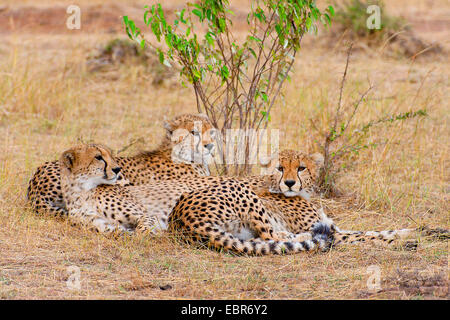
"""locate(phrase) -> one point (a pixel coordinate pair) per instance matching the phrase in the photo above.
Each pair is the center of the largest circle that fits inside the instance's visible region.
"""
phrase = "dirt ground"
(50, 99)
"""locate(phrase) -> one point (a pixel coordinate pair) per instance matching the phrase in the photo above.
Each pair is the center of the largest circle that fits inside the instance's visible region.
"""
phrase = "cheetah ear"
(106, 148)
(318, 159)
(168, 126)
(67, 159)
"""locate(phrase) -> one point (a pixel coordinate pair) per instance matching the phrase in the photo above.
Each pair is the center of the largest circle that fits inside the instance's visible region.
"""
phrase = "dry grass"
(48, 100)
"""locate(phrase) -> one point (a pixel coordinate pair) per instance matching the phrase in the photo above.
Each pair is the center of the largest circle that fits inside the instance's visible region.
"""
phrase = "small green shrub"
(236, 82)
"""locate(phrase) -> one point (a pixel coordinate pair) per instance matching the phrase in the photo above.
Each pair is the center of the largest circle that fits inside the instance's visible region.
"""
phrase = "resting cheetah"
(181, 154)
(88, 180)
(231, 216)
(88, 177)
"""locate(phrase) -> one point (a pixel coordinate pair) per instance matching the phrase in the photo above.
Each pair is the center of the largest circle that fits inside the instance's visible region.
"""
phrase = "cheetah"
(88, 180)
(229, 215)
(93, 198)
(186, 150)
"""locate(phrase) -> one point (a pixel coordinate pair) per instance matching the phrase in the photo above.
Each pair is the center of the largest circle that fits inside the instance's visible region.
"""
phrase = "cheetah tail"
(388, 236)
(383, 237)
(321, 239)
(354, 237)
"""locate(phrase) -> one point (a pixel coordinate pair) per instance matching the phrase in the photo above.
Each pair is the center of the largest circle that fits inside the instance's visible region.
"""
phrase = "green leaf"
(147, 21)
(161, 55)
(209, 36)
(255, 39)
(181, 15)
(198, 13)
(266, 115)
(197, 75)
(126, 21)
(222, 25)
(279, 30)
(225, 73)
(160, 11)
(331, 10)
(327, 19)
(156, 30)
(315, 13)
(209, 14)
(252, 52)
(308, 23)
(264, 96)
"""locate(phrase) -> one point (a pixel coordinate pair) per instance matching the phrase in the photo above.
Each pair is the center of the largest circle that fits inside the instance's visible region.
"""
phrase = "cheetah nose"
(116, 170)
(209, 146)
(289, 183)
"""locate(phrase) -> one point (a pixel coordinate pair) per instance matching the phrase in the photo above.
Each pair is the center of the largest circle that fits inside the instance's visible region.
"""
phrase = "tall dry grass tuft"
(48, 100)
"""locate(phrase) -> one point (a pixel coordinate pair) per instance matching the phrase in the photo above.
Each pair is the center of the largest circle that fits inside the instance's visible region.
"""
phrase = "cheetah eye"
(280, 168)
(100, 158)
(301, 168)
(195, 133)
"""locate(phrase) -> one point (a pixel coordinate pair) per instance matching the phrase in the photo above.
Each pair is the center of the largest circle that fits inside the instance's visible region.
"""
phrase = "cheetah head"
(294, 173)
(89, 165)
(192, 138)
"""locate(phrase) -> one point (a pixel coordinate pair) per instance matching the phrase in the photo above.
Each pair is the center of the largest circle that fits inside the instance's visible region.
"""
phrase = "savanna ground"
(49, 99)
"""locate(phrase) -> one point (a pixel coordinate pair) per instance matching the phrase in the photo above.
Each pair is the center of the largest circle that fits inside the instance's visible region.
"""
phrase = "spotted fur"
(88, 175)
(182, 154)
(231, 216)
(157, 198)
(238, 215)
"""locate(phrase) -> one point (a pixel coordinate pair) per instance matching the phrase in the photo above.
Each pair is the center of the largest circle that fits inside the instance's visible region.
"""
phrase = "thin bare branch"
(341, 90)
